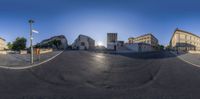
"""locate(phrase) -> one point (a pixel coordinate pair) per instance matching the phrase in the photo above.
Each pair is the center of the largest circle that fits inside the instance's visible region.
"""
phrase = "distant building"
(146, 38)
(111, 41)
(2, 44)
(50, 42)
(184, 41)
(83, 43)
(120, 43)
(100, 47)
(111, 37)
(144, 43)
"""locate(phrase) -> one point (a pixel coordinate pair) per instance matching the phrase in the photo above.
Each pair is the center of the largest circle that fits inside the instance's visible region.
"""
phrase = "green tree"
(57, 43)
(10, 45)
(19, 43)
(161, 47)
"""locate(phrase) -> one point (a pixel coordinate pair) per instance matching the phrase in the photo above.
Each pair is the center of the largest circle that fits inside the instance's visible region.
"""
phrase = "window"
(82, 44)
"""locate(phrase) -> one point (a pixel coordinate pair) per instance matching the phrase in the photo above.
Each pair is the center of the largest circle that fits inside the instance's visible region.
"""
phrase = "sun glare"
(100, 43)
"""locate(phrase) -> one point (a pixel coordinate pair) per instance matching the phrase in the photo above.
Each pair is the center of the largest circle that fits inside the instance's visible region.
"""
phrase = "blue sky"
(129, 18)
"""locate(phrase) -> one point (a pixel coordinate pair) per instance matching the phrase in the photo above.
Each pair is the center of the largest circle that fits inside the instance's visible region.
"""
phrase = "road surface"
(89, 75)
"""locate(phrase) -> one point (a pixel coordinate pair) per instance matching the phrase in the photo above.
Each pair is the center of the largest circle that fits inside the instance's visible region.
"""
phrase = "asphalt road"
(89, 75)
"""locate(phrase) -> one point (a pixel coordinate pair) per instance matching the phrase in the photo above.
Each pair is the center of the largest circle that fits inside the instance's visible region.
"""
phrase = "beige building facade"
(184, 41)
(146, 38)
(2, 44)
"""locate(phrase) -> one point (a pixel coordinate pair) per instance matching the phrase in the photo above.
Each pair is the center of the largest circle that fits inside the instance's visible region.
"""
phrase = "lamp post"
(31, 40)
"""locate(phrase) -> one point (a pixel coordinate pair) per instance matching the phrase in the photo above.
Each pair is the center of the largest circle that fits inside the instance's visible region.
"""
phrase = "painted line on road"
(186, 60)
(31, 66)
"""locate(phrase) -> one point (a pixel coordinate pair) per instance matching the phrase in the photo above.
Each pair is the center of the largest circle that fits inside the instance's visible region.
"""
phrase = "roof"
(177, 29)
(144, 35)
(111, 33)
(59, 36)
(2, 39)
(85, 36)
(186, 32)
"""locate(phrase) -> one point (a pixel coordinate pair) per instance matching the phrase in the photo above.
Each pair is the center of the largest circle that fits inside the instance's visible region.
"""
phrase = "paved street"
(191, 58)
(17, 60)
(89, 75)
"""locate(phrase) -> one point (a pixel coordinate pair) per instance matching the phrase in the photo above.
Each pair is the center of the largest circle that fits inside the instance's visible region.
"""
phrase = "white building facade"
(83, 43)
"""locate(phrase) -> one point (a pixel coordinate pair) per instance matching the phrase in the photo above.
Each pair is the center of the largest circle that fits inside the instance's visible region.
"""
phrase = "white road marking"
(186, 61)
(30, 66)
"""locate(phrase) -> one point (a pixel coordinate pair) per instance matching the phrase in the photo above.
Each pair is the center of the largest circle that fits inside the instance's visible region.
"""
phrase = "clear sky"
(129, 18)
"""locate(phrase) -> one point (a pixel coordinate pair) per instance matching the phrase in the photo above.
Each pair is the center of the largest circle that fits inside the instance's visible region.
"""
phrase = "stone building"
(49, 42)
(2, 44)
(146, 38)
(144, 43)
(184, 41)
(83, 43)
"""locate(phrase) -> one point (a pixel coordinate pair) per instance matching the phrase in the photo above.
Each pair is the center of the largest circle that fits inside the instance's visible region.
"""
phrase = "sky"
(95, 18)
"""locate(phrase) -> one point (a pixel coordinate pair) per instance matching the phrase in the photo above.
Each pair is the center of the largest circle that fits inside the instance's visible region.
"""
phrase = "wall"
(140, 47)
(3, 52)
(42, 51)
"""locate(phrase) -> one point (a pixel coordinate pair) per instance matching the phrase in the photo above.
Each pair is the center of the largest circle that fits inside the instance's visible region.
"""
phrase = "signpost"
(31, 39)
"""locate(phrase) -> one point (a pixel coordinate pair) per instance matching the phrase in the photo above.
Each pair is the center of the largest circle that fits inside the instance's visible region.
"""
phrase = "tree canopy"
(19, 44)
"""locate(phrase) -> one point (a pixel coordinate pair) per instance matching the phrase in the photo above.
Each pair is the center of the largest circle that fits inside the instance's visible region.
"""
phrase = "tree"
(19, 43)
(161, 47)
(10, 45)
(57, 43)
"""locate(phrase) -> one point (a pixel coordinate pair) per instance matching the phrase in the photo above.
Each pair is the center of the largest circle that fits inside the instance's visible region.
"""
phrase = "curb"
(30, 66)
(186, 60)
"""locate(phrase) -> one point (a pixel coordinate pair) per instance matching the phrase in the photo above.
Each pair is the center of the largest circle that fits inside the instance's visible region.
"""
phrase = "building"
(83, 43)
(184, 41)
(111, 41)
(111, 37)
(143, 43)
(120, 43)
(61, 42)
(146, 38)
(2, 44)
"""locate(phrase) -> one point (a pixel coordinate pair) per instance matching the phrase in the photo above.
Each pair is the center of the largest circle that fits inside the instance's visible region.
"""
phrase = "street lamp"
(31, 40)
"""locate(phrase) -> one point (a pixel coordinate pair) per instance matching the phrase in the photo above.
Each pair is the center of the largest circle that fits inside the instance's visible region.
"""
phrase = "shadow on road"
(148, 55)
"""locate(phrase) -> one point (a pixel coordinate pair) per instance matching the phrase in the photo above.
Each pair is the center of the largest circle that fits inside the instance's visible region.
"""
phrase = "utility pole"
(31, 40)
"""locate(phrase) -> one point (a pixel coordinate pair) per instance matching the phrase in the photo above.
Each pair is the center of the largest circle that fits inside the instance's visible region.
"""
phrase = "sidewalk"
(15, 60)
(193, 59)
